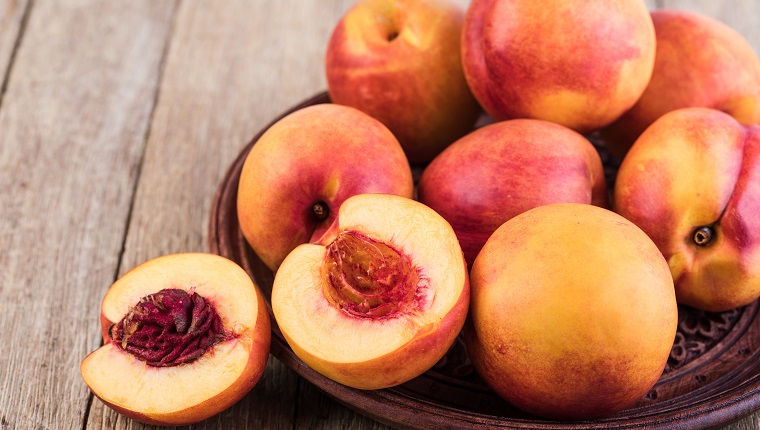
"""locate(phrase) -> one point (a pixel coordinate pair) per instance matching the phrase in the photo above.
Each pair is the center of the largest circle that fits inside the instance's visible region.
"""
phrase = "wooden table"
(117, 121)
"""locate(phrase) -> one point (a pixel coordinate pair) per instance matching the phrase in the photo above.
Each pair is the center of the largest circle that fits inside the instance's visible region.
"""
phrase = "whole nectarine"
(700, 62)
(504, 169)
(303, 167)
(573, 313)
(400, 62)
(692, 183)
(579, 64)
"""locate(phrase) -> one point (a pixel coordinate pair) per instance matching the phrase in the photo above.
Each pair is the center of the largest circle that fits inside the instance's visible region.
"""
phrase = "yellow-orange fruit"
(573, 312)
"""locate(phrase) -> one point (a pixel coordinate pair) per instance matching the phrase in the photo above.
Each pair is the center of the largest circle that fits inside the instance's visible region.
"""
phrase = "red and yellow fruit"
(504, 169)
(700, 62)
(578, 66)
(304, 166)
(186, 336)
(400, 62)
(692, 183)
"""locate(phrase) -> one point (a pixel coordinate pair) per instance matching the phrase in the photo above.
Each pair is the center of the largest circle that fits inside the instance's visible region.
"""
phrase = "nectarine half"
(186, 336)
(380, 299)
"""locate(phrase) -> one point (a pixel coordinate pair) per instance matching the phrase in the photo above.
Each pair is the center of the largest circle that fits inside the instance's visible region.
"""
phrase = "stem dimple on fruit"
(703, 235)
(320, 210)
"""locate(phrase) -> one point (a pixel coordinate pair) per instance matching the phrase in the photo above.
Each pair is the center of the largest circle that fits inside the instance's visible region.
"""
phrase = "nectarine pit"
(368, 278)
(703, 235)
(169, 328)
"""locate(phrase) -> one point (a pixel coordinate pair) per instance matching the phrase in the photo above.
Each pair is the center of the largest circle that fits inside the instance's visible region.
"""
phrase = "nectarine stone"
(169, 328)
(367, 277)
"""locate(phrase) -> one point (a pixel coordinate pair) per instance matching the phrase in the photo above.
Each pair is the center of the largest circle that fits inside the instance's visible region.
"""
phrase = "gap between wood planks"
(16, 44)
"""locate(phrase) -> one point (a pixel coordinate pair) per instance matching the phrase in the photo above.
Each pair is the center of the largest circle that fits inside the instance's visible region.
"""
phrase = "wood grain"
(73, 123)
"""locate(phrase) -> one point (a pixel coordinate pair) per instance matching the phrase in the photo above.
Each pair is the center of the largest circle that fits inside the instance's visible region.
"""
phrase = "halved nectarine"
(186, 336)
(380, 298)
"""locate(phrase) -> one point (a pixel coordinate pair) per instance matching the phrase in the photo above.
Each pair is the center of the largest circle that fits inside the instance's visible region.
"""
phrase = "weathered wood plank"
(229, 71)
(73, 120)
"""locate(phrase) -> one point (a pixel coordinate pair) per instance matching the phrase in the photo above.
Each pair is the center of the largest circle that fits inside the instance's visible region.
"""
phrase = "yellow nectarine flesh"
(187, 336)
(380, 300)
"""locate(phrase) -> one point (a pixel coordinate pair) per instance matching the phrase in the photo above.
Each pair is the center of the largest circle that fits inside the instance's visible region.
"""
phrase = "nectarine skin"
(400, 62)
(700, 62)
(573, 313)
(698, 168)
(579, 66)
(504, 169)
(321, 154)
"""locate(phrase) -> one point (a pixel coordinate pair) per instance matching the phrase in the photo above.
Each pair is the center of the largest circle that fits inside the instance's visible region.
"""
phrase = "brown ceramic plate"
(712, 376)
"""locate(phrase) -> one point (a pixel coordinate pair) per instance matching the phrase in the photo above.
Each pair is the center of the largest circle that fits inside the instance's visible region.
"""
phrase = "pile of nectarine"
(568, 309)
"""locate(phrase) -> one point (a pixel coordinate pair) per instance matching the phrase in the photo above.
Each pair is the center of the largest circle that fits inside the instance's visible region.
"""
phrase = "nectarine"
(578, 64)
(303, 167)
(380, 299)
(400, 62)
(504, 169)
(573, 312)
(700, 62)
(692, 183)
(186, 336)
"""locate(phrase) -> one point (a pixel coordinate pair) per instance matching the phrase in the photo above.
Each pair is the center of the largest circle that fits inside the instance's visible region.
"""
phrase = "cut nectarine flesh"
(186, 336)
(380, 298)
